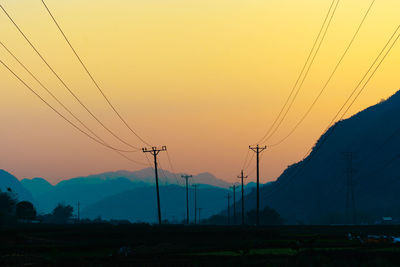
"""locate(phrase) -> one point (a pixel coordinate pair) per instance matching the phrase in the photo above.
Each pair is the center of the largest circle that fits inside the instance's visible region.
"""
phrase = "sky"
(205, 78)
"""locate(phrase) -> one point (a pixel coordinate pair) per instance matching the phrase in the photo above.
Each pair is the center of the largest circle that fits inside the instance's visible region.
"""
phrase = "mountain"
(91, 189)
(37, 186)
(315, 190)
(139, 204)
(7, 180)
(86, 192)
(147, 176)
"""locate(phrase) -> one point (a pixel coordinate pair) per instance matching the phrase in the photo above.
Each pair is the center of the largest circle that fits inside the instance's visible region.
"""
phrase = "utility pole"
(186, 177)
(229, 208)
(234, 204)
(257, 149)
(155, 151)
(242, 177)
(350, 203)
(195, 203)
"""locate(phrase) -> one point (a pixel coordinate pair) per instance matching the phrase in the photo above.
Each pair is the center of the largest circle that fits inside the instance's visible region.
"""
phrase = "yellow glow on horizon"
(206, 78)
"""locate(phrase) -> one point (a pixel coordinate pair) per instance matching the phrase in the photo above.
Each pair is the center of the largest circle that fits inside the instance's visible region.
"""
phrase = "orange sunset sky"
(206, 78)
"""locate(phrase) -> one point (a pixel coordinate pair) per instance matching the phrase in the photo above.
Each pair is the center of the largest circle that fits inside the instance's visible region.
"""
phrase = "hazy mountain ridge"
(147, 176)
(139, 204)
(37, 186)
(314, 191)
(93, 188)
(7, 180)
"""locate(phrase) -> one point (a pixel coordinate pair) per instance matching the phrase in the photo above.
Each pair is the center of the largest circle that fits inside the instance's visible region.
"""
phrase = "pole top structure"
(154, 149)
(254, 148)
(185, 176)
(242, 175)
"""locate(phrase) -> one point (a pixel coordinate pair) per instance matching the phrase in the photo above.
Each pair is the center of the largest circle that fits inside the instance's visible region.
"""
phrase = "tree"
(7, 206)
(25, 211)
(268, 216)
(62, 213)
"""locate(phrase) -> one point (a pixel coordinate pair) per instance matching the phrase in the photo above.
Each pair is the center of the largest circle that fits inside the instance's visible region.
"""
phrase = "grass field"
(144, 245)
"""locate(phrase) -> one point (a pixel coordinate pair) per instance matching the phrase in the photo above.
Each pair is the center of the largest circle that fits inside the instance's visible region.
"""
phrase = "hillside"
(139, 204)
(91, 189)
(315, 190)
(37, 186)
(7, 180)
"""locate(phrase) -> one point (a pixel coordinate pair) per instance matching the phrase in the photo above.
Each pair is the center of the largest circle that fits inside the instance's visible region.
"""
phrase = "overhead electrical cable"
(91, 76)
(172, 169)
(245, 159)
(329, 79)
(363, 78)
(304, 77)
(59, 101)
(301, 73)
(64, 84)
(306, 159)
(62, 116)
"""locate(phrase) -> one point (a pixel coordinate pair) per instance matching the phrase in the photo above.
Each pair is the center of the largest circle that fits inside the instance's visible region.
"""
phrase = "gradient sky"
(205, 77)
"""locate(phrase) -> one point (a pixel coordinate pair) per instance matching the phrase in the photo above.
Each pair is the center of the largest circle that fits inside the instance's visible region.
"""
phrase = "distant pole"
(242, 177)
(186, 177)
(234, 204)
(195, 203)
(258, 150)
(155, 151)
(229, 208)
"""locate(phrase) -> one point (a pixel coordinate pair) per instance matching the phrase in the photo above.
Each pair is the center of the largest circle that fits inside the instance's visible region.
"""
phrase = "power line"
(304, 77)
(245, 159)
(64, 84)
(91, 76)
(245, 167)
(329, 79)
(306, 159)
(172, 169)
(365, 75)
(65, 118)
(58, 101)
(300, 75)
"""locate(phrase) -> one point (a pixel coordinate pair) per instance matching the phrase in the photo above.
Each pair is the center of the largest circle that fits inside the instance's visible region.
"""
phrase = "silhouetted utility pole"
(229, 208)
(195, 203)
(234, 204)
(155, 151)
(258, 150)
(242, 177)
(350, 203)
(186, 177)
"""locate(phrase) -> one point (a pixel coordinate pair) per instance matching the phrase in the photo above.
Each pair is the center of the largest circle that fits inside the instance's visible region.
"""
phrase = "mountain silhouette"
(91, 189)
(7, 181)
(37, 186)
(139, 204)
(82, 191)
(315, 190)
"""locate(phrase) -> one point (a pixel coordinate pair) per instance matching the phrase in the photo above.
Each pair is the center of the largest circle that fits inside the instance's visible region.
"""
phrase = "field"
(144, 245)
